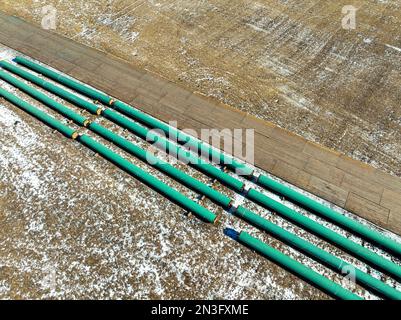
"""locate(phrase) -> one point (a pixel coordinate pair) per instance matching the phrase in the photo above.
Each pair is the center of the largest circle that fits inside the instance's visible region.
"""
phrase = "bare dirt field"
(289, 62)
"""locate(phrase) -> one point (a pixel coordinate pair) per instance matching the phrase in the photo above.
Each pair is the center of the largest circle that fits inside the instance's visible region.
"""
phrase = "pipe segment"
(217, 197)
(292, 265)
(340, 241)
(38, 114)
(70, 97)
(143, 155)
(254, 195)
(152, 182)
(183, 138)
(220, 199)
(173, 133)
(149, 180)
(336, 264)
(375, 237)
(77, 118)
(174, 150)
(71, 83)
(380, 240)
(162, 166)
(146, 134)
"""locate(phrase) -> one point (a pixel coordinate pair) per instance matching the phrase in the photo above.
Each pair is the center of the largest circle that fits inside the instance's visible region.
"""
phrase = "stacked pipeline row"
(268, 205)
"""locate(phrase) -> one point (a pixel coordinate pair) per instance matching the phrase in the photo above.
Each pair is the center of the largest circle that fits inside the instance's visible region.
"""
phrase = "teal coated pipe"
(38, 114)
(140, 153)
(325, 233)
(149, 180)
(217, 197)
(183, 138)
(384, 242)
(111, 156)
(320, 255)
(331, 215)
(78, 119)
(281, 234)
(342, 242)
(292, 265)
(137, 129)
(157, 185)
(174, 150)
(70, 97)
(163, 166)
(174, 134)
(99, 96)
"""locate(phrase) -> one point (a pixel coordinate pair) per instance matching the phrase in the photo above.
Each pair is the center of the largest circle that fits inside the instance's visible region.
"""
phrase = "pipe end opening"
(233, 234)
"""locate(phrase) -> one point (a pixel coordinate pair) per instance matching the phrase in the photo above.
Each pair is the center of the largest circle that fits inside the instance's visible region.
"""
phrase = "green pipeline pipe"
(292, 265)
(194, 184)
(162, 166)
(384, 242)
(174, 150)
(320, 255)
(160, 187)
(261, 199)
(38, 114)
(147, 157)
(78, 119)
(144, 133)
(174, 134)
(183, 138)
(49, 86)
(149, 180)
(62, 79)
(331, 215)
(224, 201)
(340, 241)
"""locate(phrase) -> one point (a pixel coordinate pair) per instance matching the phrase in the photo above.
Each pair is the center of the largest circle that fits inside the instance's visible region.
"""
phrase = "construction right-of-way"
(176, 143)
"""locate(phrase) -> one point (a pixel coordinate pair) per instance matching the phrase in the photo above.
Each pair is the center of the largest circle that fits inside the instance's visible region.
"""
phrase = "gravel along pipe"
(146, 134)
(292, 265)
(384, 242)
(254, 195)
(149, 180)
(203, 189)
(38, 114)
(336, 264)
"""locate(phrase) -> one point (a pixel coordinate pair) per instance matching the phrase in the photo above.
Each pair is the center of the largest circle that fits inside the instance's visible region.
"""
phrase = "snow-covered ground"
(75, 226)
